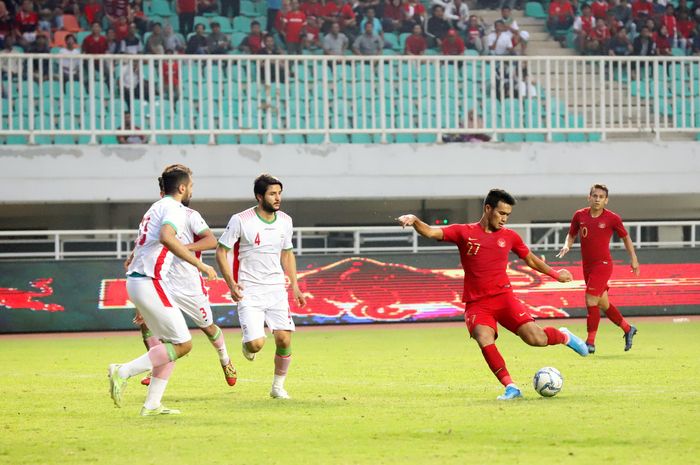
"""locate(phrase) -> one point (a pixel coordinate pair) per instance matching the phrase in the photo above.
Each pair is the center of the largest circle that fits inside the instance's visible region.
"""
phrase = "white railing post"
(299, 250)
(119, 245)
(656, 89)
(91, 97)
(438, 95)
(382, 102)
(414, 241)
(31, 98)
(210, 99)
(601, 93)
(356, 242)
(548, 99)
(57, 246)
(326, 101)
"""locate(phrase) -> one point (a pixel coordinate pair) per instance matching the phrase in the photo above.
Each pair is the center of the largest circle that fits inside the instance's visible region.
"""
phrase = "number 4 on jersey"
(257, 239)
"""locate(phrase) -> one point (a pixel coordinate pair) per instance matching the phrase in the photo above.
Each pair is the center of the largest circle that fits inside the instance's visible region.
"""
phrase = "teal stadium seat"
(248, 9)
(241, 24)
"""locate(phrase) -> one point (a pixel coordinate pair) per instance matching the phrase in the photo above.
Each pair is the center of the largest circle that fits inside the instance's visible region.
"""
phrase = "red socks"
(592, 323)
(554, 336)
(616, 317)
(496, 363)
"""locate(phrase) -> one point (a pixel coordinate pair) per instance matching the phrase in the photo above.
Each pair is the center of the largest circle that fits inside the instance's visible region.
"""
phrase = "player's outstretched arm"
(421, 228)
(289, 265)
(168, 237)
(222, 262)
(207, 241)
(634, 263)
(568, 243)
(563, 276)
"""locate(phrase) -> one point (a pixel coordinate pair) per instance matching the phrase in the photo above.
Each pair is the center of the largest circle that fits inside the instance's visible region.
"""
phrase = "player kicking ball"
(595, 225)
(260, 239)
(488, 294)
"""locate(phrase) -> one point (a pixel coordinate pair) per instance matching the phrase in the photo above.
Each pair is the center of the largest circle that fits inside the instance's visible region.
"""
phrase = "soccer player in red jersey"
(596, 225)
(488, 294)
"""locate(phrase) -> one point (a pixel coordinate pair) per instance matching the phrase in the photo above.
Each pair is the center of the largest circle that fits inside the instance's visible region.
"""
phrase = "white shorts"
(254, 311)
(163, 318)
(194, 306)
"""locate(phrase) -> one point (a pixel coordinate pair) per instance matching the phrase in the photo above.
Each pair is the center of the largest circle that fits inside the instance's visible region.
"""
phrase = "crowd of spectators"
(621, 28)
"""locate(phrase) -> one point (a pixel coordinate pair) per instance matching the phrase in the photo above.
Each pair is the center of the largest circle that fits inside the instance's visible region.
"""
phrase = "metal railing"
(312, 99)
(111, 243)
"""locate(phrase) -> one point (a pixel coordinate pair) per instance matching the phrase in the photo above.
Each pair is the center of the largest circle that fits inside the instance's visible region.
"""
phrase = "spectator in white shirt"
(457, 12)
(500, 41)
(69, 66)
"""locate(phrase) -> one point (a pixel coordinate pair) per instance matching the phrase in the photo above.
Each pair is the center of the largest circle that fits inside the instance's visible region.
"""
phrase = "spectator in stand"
(599, 8)
(311, 38)
(662, 40)
(520, 38)
(27, 24)
(273, 9)
(613, 24)
(171, 76)
(41, 65)
(130, 82)
(230, 8)
(335, 42)
(197, 43)
(452, 44)
(293, 26)
(560, 18)
(253, 42)
(116, 9)
(683, 7)
(207, 6)
(156, 43)
(121, 29)
(95, 43)
(330, 13)
(276, 69)
(620, 45)
(131, 44)
(685, 31)
(641, 11)
(695, 46)
(9, 69)
(93, 11)
(278, 26)
(392, 19)
(643, 46)
(371, 17)
(597, 43)
(368, 43)
(457, 12)
(413, 12)
(475, 34)
(669, 20)
(416, 43)
(172, 42)
(218, 43)
(623, 14)
(7, 22)
(659, 9)
(70, 67)
(132, 138)
(139, 18)
(362, 6)
(112, 42)
(526, 87)
(437, 26)
(186, 11)
(500, 41)
(312, 8)
(583, 27)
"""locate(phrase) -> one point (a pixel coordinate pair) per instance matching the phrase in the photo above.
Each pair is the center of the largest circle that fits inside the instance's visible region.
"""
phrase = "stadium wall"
(60, 174)
(91, 295)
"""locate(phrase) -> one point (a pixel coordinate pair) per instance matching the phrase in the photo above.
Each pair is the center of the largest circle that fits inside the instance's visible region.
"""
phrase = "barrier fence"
(117, 243)
(68, 99)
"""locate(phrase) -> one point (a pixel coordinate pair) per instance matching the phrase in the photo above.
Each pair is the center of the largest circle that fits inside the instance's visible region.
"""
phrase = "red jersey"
(94, 45)
(346, 15)
(294, 22)
(663, 44)
(331, 10)
(187, 6)
(599, 9)
(671, 24)
(600, 34)
(484, 258)
(121, 30)
(642, 9)
(312, 9)
(685, 28)
(91, 10)
(416, 45)
(171, 72)
(596, 234)
(27, 22)
(561, 10)
(453, 48)
(254, 43)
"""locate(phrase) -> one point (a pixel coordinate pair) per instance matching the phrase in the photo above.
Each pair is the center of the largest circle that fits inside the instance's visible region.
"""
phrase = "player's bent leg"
(216, 337)
(534, 335)
(574, 342)
(485, 336)
(283, 358)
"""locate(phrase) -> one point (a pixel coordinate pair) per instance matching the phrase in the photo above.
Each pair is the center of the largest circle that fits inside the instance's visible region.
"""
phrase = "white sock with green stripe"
(217, 340)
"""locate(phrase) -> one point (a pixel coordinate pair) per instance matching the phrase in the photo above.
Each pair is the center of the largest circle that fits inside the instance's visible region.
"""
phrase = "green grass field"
(409, 395)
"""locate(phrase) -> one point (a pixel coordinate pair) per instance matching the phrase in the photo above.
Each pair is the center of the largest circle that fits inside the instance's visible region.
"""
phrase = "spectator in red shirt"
(254, 41)
(641, 11)
(452, 44)
(311, 38)
(312, 8)
(475, 34)
(413, 13)
(116, 9)
(583, 27)
(171, 73)
(416, 43)
(186, 10)
(392, 17)
(599, 8)
(95, 43)
(121, 29)
(93, 11)
(597, 43)
(561, 17)
(685, 30)
(293, 25)
(27, 23)
(663, 41)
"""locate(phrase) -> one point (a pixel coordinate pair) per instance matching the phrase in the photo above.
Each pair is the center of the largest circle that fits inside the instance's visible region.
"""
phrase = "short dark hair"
(602, 187)
(264, 181)
(172, 177)
(254, 23)
(214, 23)
(498, 195)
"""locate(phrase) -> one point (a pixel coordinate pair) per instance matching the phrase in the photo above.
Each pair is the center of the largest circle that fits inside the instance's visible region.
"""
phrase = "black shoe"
(629, 335)
(591, 348)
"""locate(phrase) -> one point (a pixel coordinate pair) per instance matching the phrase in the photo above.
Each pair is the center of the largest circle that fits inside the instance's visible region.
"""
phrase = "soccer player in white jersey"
(261, 241)
(189, 293)
(156, 245)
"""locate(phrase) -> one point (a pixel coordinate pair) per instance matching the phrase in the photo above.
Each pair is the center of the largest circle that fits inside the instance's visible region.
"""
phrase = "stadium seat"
(391, 39)
(70, 23)
(80, 36)
(250, 139)
(248, 9)
(237, 38)
(59, 39)
(535, 10)
(535, 137)
(425, 138)
(241, 24)
(512, 138)
(293, 139)
(224, 22)
(161, 8)
(201, 20)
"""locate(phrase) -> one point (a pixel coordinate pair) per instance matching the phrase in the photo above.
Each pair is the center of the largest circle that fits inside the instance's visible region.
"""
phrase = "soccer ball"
(548, 382)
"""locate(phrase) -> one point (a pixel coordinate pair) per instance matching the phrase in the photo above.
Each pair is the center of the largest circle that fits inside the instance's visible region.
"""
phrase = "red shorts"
(504, 309)
(597, 277)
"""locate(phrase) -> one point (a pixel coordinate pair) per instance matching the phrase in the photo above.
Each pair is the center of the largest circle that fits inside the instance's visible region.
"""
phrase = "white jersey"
(257, 246)
(184, 278)
(151, 258)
